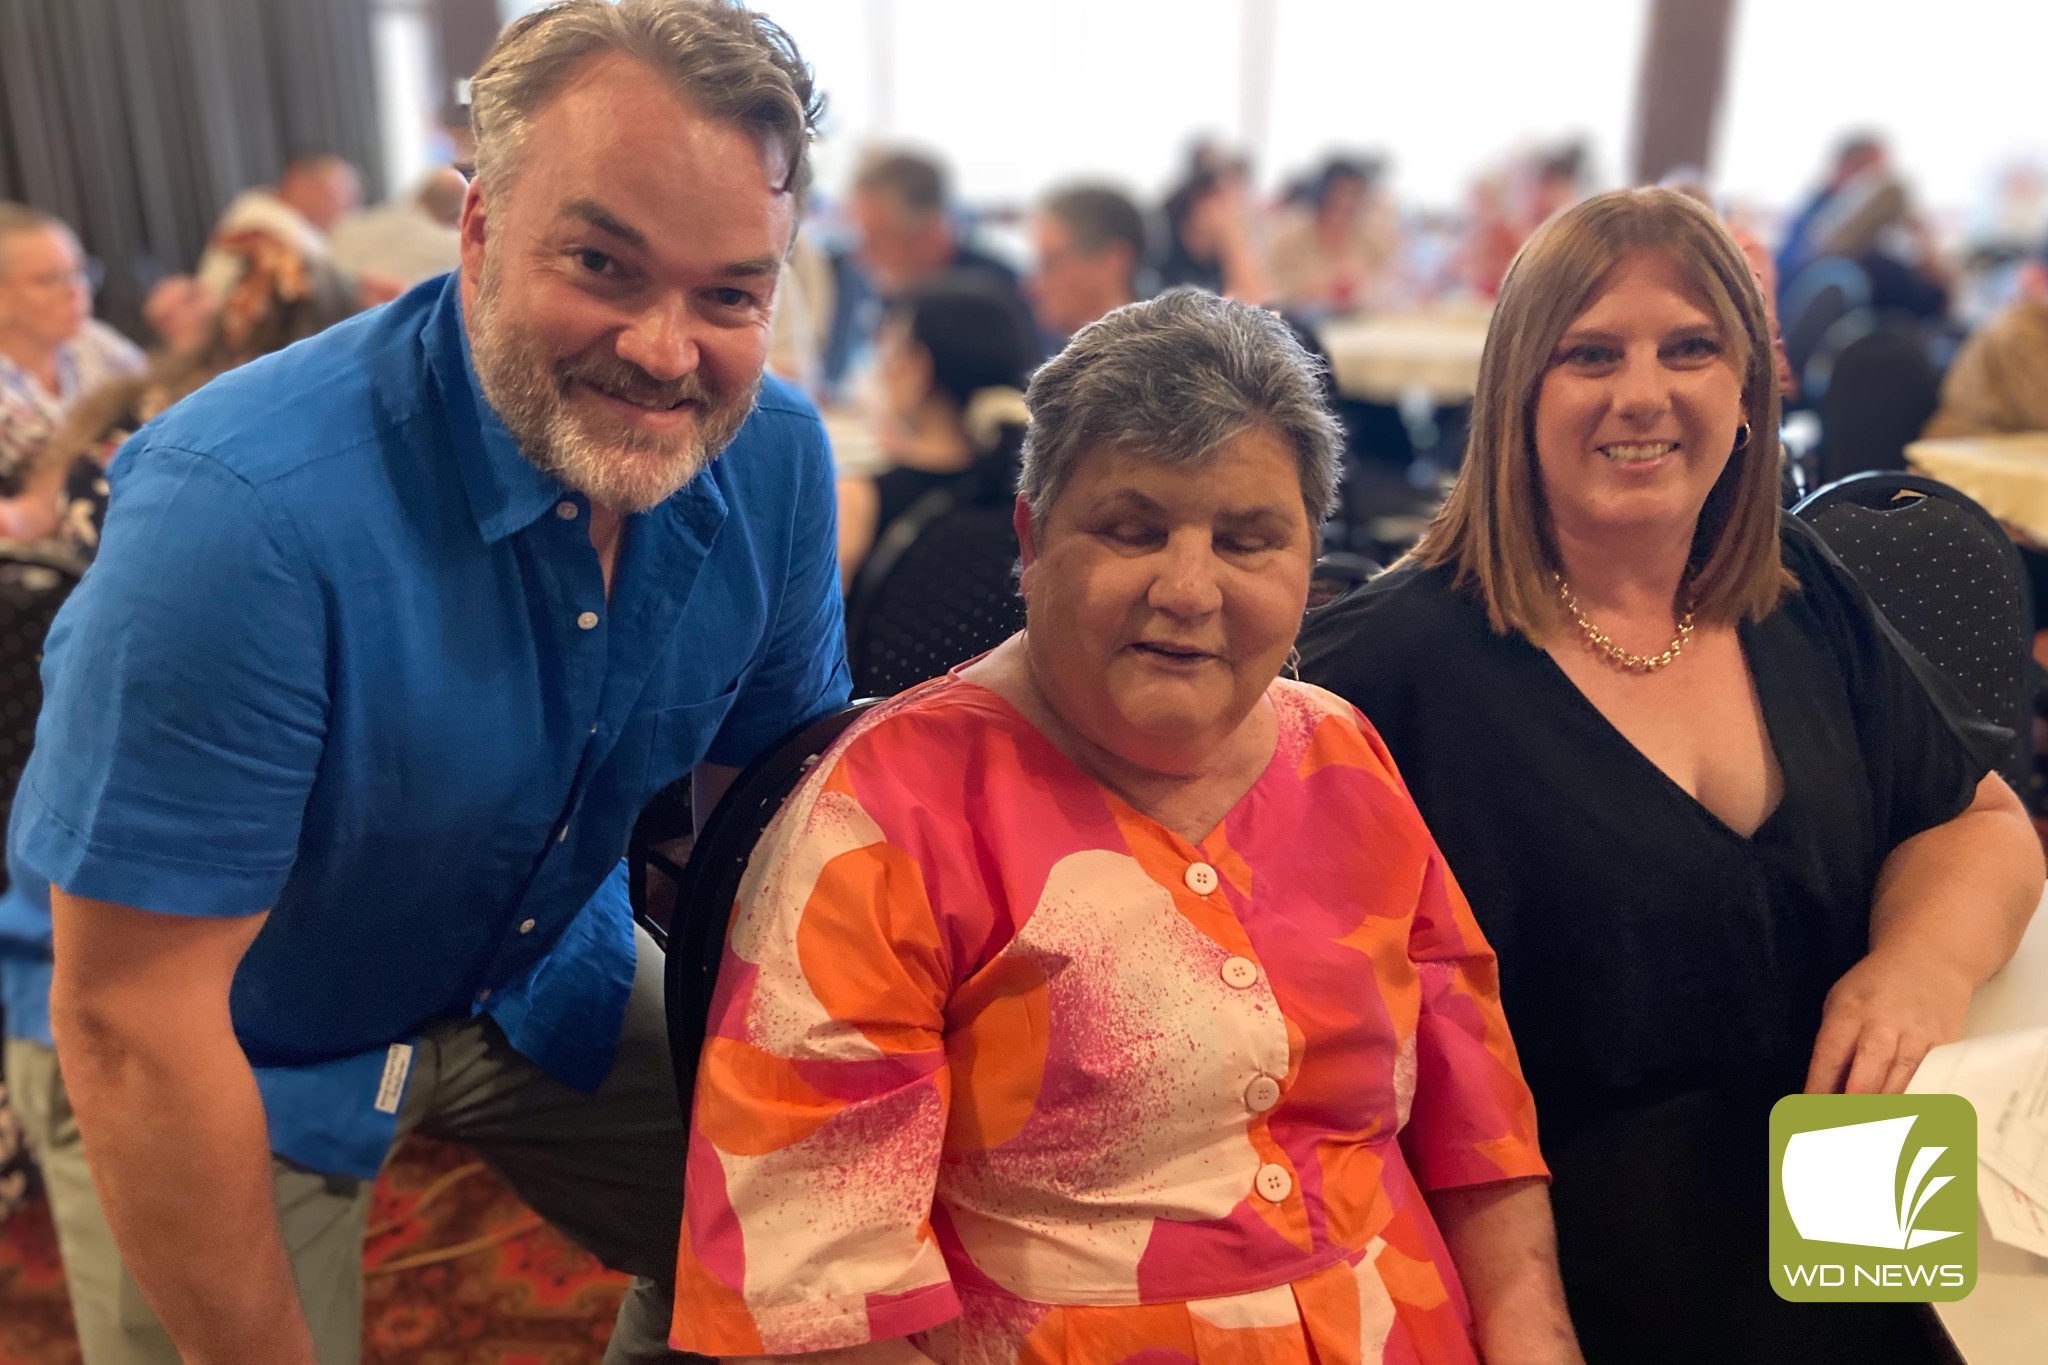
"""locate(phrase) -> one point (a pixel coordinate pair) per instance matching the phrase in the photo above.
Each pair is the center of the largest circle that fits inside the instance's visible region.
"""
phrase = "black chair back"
(31, 590)
(708, 883)
(1882, 392)
(1815, 300)
(938, 589)
(1947, 577)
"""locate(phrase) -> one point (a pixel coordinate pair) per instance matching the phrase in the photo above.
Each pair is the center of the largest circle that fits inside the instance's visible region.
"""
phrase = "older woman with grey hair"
(1107, 995)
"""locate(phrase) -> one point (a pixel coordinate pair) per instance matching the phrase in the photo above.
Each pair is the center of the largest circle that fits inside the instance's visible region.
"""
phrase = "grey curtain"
(137, 120)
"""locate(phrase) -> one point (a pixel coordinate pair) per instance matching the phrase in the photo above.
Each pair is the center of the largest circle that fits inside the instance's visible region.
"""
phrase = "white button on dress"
(588, 620)
(526, 927)
(1262, 1094)
(1274, 1183)
(1240, 973)
(1201, 878)
(566, 510)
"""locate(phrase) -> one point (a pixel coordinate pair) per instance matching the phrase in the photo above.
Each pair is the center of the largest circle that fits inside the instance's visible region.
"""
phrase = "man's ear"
(473, 229)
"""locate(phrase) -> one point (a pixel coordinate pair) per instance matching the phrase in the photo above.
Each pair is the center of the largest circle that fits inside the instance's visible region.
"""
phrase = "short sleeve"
(803, 671)
(821, 1101)
(185, 700)
(1924, 748)
(1473, 1119)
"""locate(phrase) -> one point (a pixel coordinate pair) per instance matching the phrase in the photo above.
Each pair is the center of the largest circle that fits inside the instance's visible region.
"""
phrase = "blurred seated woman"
(1107, 995)
(951, 365)
(1207, 243)
(1730, 837)
(1340, 251)
(278, 299)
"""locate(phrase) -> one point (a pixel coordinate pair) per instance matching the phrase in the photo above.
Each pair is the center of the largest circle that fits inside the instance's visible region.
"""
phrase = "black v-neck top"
(1646, 949)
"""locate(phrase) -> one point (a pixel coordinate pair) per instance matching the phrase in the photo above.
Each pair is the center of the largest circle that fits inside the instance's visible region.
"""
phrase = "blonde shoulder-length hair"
(1495, 529)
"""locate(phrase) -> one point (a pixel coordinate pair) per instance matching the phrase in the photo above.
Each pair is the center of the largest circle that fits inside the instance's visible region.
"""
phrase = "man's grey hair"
(731, 63)
(16, 219)
(1175, 379)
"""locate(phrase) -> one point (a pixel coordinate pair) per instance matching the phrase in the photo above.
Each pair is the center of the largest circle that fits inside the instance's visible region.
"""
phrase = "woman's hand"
(1880, 1020)
(1951, 904)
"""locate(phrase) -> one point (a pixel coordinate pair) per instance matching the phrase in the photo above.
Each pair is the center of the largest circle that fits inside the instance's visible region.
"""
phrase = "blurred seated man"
(1863, 213)
(52, 351)
(1339, 251)
(951, 365)
(1999, 379)
(409, 239)
(1090, 241)
(312, 195)
(907, 239)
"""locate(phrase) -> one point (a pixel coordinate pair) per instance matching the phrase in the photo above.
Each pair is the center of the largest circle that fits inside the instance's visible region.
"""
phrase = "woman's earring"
(1294, 662)
(1742, 436)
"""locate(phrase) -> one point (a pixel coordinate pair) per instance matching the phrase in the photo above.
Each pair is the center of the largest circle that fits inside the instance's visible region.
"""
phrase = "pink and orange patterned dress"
(1001, 1066)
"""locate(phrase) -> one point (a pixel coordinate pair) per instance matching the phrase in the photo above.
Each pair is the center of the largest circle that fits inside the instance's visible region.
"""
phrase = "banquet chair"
(705, 886)
(1947, 578)
(1820, 296)
(938, 588)
(1880, 394)
(31, 590)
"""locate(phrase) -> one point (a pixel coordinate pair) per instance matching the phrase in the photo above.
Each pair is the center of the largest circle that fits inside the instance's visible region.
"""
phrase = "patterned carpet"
(518, 1294)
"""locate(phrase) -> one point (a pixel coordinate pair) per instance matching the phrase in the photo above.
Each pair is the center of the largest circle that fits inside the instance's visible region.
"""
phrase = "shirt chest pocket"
(679, 735)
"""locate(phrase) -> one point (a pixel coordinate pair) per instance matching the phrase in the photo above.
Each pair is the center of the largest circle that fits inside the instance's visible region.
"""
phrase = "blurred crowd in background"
(914, 316)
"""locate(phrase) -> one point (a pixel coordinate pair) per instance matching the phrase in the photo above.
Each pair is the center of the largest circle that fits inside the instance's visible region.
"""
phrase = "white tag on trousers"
(397, 1062)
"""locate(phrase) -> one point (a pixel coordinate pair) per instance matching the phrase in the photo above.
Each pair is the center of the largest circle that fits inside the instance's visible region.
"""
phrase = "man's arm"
(1500, 1238)
(172, 1124)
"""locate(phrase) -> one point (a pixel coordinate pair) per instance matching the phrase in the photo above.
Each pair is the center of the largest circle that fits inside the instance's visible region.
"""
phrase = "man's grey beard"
(606, 460)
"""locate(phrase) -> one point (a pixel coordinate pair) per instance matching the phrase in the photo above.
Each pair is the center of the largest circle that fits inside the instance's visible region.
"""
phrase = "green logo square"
(1873, 1198)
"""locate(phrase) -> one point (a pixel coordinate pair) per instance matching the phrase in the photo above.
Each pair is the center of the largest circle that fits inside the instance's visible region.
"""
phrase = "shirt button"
(562, 833)
(526, 927)
(1261, 1095)
(566, 510)
(1274, 1183)
(588, 620)
(1201, 878)
(483, 995)
(1240, 973)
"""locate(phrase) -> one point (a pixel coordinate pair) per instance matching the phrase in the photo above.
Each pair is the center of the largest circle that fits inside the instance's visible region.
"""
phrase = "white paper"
(2005, 1078)
(2014, 1219)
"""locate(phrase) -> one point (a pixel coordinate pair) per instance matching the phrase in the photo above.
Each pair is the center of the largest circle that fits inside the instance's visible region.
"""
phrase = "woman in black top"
(1729, 837)
(952, 362)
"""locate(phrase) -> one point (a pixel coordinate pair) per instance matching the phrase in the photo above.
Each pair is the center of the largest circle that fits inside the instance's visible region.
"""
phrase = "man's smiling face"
(618, 283)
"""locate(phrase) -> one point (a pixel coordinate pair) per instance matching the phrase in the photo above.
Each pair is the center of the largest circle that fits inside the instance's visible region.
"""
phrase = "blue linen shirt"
(346, 655)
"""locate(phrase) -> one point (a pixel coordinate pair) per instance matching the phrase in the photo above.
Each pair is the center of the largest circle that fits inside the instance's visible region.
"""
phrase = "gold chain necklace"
(1614, 653)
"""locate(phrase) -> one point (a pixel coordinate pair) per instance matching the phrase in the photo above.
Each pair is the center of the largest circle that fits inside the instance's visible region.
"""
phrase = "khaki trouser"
(605, 1168)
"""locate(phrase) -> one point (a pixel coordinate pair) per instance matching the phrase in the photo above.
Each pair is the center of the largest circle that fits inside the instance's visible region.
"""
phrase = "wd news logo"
(1873, 1198)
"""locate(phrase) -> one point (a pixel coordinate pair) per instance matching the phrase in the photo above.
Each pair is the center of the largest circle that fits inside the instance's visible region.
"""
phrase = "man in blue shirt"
(390, 637)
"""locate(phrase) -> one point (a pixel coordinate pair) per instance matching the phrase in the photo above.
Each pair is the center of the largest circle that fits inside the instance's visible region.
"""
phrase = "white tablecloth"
(1378, 359)
(2005, 1319)
(2007, 474)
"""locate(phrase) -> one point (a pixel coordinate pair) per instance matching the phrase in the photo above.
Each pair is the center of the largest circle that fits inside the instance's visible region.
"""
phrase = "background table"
(1382, 359)
(2005, 1319)
(2007, 474)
